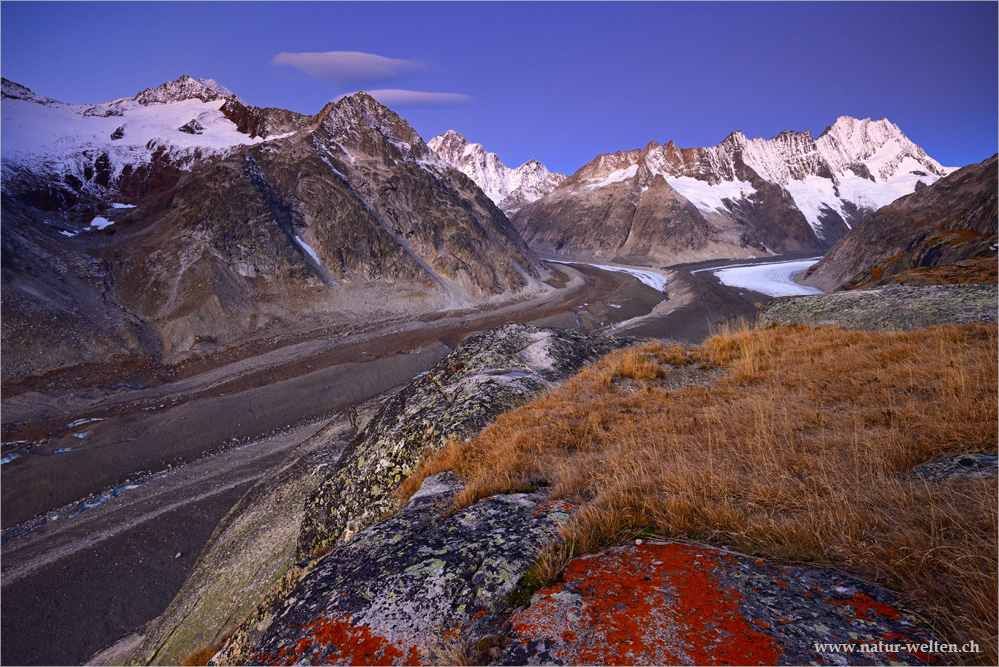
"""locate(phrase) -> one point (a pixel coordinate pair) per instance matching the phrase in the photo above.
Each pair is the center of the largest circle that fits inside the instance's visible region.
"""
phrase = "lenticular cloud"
(394, 97)
(347, 66)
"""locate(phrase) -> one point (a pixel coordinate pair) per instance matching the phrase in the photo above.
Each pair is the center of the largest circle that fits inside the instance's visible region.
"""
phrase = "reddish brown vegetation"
(802, 453)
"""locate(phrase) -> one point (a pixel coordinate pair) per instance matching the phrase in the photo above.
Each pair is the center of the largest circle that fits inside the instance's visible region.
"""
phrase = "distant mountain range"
(743, 197)
(953, 220)
(181, 219)
(511, 189)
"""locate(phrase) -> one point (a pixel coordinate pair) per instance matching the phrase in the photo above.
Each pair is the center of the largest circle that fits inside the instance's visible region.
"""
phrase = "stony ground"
(897, 308)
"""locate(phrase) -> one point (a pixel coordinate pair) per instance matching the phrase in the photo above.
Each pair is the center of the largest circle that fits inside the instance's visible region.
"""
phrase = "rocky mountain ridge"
(511, 189)
(953, 219)
(742, 197)
(198, 221)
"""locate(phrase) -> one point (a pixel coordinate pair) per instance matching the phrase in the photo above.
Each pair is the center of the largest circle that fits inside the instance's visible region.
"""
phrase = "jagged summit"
(15, 91)
(360, 122)
(509, 188)
(789, 193)
(184, 88)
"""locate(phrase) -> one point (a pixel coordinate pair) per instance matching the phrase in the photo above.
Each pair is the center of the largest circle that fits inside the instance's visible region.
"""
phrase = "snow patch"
(708, 197)
(617, 176)
(100, 222)
(308, 249)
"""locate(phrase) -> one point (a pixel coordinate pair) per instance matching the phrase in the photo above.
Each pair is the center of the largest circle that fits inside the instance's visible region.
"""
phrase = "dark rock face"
(75, 321)
(674, 604)
(895, 308)
(263, 122)
(486, 375)
(396, 592)
(951, 220)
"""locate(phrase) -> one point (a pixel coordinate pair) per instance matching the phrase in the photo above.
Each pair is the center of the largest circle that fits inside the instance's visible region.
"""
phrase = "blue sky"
(560, 82)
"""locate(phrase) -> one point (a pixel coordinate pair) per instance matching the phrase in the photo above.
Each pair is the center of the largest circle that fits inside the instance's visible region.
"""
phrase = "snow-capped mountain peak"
(878, 145)
(16, 91)
(184, 88)
(794, 192)
(94, 144)
(509, 188)
(212, 84)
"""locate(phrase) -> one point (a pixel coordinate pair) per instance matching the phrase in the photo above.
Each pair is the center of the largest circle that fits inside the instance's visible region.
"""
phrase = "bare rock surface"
(679, 604)
(400, 589)
(896, 308)
(486, 375)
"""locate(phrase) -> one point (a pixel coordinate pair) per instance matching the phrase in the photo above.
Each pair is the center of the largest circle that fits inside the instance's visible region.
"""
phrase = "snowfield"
(773, 279)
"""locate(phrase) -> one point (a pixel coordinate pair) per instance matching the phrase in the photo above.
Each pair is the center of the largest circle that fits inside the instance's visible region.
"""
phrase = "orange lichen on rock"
(682, 604)
(657, 604)
(336, 641)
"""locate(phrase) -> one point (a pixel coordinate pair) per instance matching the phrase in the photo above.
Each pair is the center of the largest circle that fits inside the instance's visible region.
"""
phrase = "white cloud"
(339, 67)
(393, 97)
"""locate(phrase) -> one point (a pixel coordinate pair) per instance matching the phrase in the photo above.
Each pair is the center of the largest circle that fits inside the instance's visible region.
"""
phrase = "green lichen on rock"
(483, 377)
(249, 554)
(971, 466)
(898, 308)
(398, 587)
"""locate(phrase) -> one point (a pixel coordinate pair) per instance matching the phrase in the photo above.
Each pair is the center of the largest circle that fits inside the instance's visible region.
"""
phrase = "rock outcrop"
(486, 375)
(404, 589)
(249, 554)
(680, 604)
(428, 587)
(895, 308)
(952, 220)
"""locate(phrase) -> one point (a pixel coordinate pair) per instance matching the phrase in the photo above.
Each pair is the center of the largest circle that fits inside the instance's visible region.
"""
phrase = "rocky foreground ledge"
(427, 586)
(342, 480)
(897, 308)
(423, 587)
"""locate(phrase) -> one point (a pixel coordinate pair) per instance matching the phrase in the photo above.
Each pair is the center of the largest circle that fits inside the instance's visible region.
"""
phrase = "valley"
(158, 467)
(224, 323)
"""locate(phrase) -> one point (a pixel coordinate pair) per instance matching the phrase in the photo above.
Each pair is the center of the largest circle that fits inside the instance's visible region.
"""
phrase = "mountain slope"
(952, 220)
(200, 237)
(791, 193)
(510, 189)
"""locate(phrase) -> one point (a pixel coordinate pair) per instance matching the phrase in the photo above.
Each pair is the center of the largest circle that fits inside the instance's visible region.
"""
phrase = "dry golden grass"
(801, 453)
(979, 271)
(202, 655)
(198, 657)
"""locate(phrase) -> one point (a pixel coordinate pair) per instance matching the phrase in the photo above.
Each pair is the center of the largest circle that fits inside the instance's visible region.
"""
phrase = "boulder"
(680, 604)
(407, 588)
